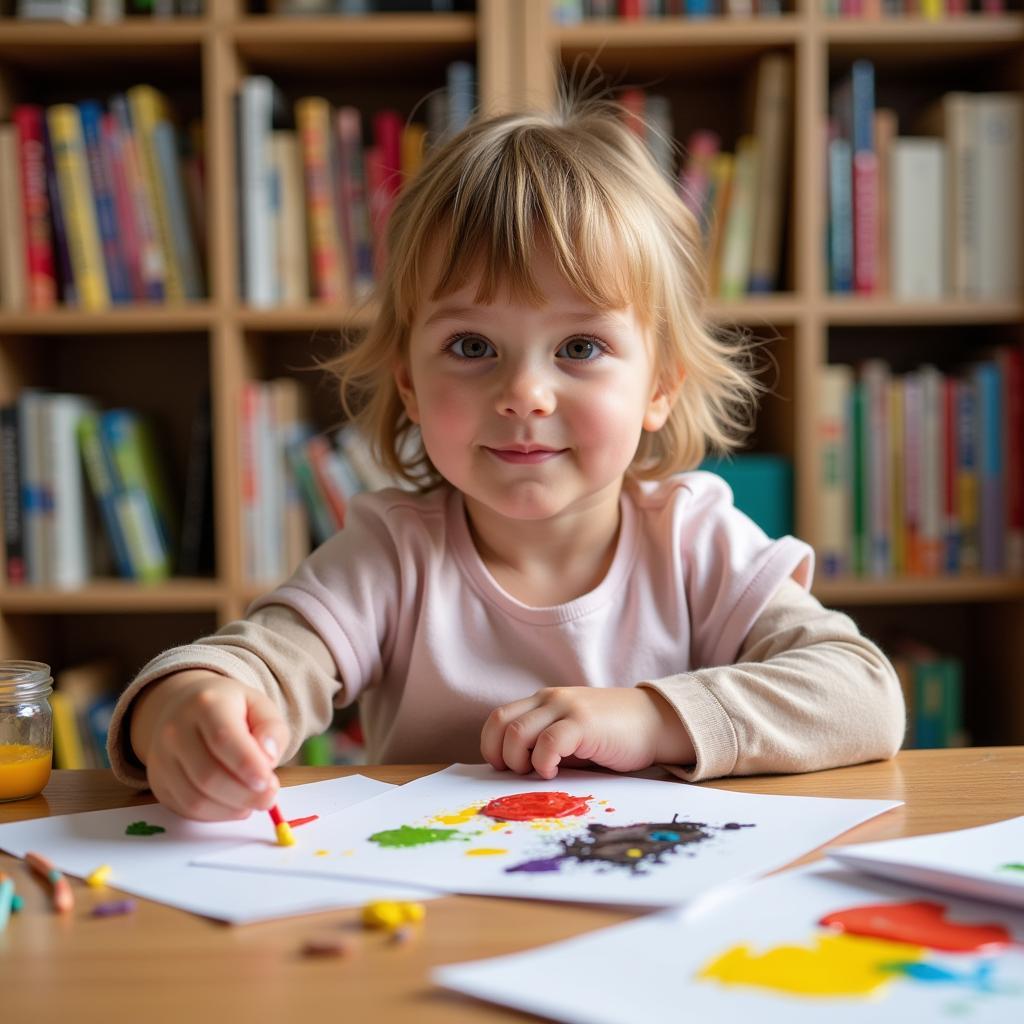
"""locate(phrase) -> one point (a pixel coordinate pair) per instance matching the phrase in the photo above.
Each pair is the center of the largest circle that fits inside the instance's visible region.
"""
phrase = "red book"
(39, 263)
(632, 8)
(126, 223)
(865, 222)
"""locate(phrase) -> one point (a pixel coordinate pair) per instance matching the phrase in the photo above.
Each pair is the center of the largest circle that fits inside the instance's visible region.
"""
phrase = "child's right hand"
(210, 744)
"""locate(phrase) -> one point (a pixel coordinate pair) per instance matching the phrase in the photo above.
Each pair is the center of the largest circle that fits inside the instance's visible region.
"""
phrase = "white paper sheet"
(479, 854)
(985, 862)
(649, 970)
(157, 867)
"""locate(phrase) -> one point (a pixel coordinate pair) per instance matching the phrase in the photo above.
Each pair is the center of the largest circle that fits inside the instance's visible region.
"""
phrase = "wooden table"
(161, 964)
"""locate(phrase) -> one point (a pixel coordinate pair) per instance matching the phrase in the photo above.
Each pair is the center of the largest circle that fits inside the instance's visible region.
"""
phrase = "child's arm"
(808, 692)
(271, 672)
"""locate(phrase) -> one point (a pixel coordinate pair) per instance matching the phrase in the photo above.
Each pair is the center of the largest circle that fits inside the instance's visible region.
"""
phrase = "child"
(559, 591)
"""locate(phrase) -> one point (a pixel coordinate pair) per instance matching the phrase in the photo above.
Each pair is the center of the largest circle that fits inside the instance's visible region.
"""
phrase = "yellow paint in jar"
(24, 770)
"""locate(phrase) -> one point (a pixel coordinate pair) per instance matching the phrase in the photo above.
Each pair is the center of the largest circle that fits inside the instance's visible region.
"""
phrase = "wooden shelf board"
(175, 595)
(914, 41)
(35, 44)
(869, 311)
(920, 590)
(679, 33)
(783, 307)
(163, 319)
(303, 318)
(407, 41)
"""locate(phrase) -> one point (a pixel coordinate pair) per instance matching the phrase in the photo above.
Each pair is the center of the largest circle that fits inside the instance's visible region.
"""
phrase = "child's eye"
(582, 350)
(469, 346)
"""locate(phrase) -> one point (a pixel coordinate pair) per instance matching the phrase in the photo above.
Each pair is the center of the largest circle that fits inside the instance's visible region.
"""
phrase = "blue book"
(988, 378)
(840, 203)
(169, 168)
(114, 261)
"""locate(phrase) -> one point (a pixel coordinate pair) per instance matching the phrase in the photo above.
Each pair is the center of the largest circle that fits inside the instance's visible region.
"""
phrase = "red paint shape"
(609, 810)
(527, 806)
(296, 822)
(921, 924)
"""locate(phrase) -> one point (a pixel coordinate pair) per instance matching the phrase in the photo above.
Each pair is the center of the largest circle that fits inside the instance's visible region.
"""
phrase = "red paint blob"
(296, 822)
(609, 810)
(921, 924)
(527, 806)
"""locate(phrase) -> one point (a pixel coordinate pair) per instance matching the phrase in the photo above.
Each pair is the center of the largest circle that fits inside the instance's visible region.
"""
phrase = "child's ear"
(403, 381)
(661, 403)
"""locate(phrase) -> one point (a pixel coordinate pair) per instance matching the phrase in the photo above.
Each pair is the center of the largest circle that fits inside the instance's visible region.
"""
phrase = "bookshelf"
(157, 358)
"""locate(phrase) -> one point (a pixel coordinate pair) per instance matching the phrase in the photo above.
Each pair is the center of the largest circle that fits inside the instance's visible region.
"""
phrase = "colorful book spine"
(10, 495)
(148, 108)
(77, 205)
(39, 256)
(330, 273)
(865, 178)
(990, 455)
(834, 456)
(172, 185)
(127, 223)
(100, 178)
(967, 480)
(840, 199)
(352, 204)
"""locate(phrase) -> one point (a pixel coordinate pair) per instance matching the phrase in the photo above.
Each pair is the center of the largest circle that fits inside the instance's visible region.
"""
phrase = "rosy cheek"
(447, 408)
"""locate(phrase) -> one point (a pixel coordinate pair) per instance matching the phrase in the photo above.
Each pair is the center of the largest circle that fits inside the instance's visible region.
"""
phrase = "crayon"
(6, 899)
(283, 829)
(113, 908)
(63, 897)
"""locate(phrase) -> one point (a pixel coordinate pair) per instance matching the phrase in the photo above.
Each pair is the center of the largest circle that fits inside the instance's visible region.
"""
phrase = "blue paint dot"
(665, 837)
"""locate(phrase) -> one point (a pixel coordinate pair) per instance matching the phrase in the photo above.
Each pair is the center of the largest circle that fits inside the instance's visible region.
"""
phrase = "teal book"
(762, 487)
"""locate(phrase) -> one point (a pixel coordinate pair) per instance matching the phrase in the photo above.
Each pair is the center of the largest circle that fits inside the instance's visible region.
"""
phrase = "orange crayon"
(283, 829)
(63, 897)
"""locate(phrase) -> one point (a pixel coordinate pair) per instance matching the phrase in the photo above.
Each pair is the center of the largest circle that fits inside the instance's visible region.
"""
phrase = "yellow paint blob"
(634, 852)
(320, 853)
(392, 913)
(484, 851)
(835, 965)
(459, 817)
(98, 878)
(500, 827)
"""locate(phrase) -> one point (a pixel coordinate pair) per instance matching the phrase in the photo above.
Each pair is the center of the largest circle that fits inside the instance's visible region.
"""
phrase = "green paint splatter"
(406, 835)
(1013, 867)
(142, 828)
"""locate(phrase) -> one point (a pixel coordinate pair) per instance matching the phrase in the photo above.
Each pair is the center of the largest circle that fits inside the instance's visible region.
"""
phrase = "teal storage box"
(762, 487)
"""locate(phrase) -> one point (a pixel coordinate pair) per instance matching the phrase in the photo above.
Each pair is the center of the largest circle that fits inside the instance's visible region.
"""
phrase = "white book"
(71, 11)
(292, 249)
(258, 191)
(917, 209)
(835, 487)
(998, 140)
(71, 561)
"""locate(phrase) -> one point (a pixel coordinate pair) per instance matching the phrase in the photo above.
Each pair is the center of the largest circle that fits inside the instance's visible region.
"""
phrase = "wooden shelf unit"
(517, 48)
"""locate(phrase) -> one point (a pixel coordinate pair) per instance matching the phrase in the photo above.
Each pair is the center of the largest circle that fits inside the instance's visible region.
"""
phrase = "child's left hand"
(624, 729)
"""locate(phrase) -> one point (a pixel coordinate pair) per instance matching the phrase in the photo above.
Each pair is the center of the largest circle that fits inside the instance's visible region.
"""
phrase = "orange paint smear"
(921, 924)
(296, 822)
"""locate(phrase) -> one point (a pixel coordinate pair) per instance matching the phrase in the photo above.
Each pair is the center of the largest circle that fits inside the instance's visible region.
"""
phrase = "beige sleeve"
(274, 650)
(808, 692)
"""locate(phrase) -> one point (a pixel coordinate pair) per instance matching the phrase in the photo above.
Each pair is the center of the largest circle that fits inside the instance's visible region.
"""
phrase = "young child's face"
(532, 412)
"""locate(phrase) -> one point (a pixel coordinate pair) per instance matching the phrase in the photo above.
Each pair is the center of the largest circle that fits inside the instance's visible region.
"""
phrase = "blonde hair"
(581, 182)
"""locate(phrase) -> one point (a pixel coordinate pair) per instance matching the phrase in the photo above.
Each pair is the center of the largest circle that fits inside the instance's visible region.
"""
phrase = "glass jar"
(26, 728)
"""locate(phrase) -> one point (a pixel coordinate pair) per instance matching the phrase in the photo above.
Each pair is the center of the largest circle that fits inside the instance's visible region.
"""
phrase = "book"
(10, 496)
(917, 229)
(77, 206)
(734, 273)
(195, 548)
(997, 135)
(834, 474)
(840, 215)
(290, 241)
(101, 477)
(772, 128)
(90, 690)
(13, 276)
(169, 174)
(39, 257)
(330, 270)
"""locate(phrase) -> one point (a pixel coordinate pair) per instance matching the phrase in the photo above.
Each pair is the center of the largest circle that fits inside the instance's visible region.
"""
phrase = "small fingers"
(492, 737)
(560, 740)
(521, 736)
(223, 728)
(173, 788)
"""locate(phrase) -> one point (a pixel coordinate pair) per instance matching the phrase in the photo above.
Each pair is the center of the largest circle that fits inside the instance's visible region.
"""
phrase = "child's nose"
(526, 391)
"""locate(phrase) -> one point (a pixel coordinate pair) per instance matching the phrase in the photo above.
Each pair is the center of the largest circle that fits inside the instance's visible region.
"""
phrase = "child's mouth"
(525, 458)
